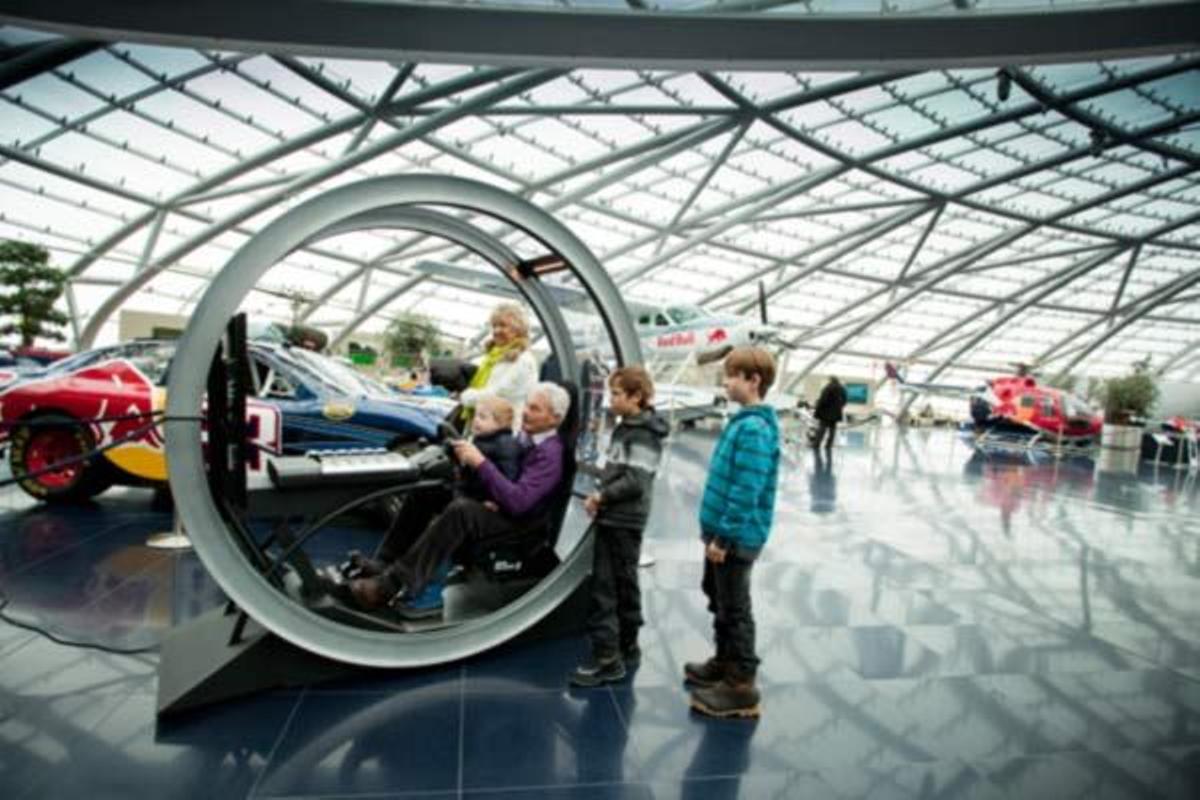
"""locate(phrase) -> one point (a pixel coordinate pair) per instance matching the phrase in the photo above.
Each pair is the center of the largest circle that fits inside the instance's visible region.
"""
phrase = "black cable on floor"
(66, 462)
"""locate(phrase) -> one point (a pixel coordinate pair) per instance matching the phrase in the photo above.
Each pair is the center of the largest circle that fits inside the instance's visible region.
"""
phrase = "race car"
(111, 397)
(14, 367)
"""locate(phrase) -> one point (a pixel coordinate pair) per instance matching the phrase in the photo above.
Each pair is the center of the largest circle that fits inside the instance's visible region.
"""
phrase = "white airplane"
(669, 333)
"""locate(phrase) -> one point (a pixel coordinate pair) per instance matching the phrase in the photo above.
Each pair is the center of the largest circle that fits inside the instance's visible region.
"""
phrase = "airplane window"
(682, 314)
(661, 319)
(644, 319)
(1027, 401)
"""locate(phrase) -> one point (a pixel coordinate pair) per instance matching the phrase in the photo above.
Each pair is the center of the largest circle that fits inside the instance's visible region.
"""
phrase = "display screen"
(857, 392)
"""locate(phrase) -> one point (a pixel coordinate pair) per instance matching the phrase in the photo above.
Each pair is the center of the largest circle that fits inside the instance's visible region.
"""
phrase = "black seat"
(520, 553)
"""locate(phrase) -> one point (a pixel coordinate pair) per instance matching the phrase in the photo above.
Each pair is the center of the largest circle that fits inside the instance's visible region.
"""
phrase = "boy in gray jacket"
(620, 508)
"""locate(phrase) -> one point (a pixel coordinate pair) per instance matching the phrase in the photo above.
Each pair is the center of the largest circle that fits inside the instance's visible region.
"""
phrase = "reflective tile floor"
(931, 623)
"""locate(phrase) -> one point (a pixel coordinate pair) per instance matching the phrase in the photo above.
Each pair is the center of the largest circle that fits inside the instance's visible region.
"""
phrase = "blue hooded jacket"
(739, 496)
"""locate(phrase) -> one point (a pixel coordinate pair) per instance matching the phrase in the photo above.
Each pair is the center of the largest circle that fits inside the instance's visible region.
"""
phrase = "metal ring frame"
(379, 202)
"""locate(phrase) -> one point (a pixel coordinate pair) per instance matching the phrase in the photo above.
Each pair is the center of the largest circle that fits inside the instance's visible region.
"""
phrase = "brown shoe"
(371, 593)
(728, 699)
(705, 673)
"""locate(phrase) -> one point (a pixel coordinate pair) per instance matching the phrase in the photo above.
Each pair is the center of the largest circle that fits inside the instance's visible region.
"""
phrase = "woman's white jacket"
(511, 380)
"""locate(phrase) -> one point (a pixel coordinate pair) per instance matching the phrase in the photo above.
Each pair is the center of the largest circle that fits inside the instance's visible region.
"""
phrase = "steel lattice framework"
(959, 218)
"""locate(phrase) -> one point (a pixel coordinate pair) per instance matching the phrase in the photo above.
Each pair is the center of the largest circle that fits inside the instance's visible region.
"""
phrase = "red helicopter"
(1018, 404)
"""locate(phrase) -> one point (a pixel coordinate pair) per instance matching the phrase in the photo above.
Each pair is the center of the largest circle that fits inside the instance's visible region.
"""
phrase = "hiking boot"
(733, 697)
(705, 673)
(595, 672)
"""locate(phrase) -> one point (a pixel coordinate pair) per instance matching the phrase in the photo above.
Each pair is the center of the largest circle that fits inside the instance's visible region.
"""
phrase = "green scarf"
(483, 373)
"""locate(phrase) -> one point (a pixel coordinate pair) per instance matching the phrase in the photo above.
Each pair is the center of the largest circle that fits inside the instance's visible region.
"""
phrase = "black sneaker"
(595, 673)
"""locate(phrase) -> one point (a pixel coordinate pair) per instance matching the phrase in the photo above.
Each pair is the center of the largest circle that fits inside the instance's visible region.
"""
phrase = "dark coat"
(627, 480)
(502, 449)
(831, 403)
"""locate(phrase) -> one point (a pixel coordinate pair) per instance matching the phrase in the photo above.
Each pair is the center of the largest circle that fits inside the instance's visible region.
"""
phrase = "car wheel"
(36, 447)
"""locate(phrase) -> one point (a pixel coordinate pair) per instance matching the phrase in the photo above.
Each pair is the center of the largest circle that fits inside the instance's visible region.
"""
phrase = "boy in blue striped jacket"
(735, 520)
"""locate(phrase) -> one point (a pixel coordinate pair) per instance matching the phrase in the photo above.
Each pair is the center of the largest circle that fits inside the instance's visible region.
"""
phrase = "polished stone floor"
(931, 623)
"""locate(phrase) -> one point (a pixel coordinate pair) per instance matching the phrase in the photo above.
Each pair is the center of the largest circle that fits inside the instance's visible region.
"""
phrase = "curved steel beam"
(222, 557)
(641, 39)
(1159, 297)
(1178, 359)
(1055, 283)
(311, 178)
(953, 265)
(434, 223)
(963, 196)
(43, 58)
(225, 176)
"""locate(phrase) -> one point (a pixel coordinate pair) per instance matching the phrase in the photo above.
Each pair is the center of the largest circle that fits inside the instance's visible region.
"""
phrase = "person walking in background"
(829, 412)
(621, 508)
(736, 512)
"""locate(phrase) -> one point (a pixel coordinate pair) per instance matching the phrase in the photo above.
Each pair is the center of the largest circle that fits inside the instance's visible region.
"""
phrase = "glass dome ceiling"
(956, 219)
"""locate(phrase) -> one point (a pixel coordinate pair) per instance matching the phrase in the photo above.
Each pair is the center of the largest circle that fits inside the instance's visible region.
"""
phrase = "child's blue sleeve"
(752, 457)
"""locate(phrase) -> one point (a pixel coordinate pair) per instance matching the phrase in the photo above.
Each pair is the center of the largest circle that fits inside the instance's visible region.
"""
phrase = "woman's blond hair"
(515, 315)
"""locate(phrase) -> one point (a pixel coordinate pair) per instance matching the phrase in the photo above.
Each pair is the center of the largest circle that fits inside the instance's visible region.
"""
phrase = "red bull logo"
(110, 389)
(677, 339)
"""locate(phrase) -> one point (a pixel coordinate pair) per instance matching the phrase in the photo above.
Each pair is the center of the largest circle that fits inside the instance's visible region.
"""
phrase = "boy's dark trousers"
(727, 587)
(615, 610)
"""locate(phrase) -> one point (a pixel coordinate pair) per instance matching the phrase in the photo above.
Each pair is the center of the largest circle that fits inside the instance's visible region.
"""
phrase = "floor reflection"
(932, 622)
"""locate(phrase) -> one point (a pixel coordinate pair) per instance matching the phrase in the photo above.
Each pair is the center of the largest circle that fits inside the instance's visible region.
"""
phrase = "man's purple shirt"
(541, 470)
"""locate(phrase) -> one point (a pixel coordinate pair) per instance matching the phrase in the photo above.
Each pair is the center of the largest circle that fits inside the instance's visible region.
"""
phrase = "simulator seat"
(520, 555)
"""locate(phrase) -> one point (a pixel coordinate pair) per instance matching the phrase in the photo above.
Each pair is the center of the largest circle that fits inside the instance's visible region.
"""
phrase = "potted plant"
(1127, 402)
(408, 337)
(1129, 398)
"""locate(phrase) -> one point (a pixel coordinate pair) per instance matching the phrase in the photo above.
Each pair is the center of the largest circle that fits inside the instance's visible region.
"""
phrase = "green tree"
(29, 286)
(409, 335)
(1130, 397)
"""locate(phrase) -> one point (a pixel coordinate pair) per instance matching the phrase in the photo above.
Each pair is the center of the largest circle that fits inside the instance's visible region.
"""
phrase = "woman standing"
(507, 368)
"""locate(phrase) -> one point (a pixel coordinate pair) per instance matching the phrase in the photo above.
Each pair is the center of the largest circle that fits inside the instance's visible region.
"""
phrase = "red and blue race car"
(111, 398)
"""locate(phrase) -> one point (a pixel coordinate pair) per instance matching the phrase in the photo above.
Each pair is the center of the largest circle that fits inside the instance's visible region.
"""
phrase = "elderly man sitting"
(413, 583)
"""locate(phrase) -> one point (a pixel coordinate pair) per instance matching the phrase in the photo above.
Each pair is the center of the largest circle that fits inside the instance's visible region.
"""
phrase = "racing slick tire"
(35, 447)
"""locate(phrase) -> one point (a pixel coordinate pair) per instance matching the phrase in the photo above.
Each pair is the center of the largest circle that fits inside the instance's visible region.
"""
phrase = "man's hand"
(468, 454)
(592, 504)
(714, 553)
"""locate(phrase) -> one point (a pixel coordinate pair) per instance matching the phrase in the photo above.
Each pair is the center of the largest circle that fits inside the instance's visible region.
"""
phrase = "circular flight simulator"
(249, 564)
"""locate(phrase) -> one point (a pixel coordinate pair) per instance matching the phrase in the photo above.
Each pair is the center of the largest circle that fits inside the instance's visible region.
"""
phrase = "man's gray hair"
(556, 396)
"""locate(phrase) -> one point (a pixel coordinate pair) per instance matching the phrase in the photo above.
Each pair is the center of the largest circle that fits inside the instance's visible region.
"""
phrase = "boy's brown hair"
(751, 361)
(501, 409)
(634, 380)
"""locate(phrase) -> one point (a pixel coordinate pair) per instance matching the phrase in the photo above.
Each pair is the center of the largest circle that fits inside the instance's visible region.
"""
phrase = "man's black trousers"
(826, 431)
(615, 610)
(465, 522)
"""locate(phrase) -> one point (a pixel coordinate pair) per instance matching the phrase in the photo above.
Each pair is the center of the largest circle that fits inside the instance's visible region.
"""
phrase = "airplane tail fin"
(892, 373)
